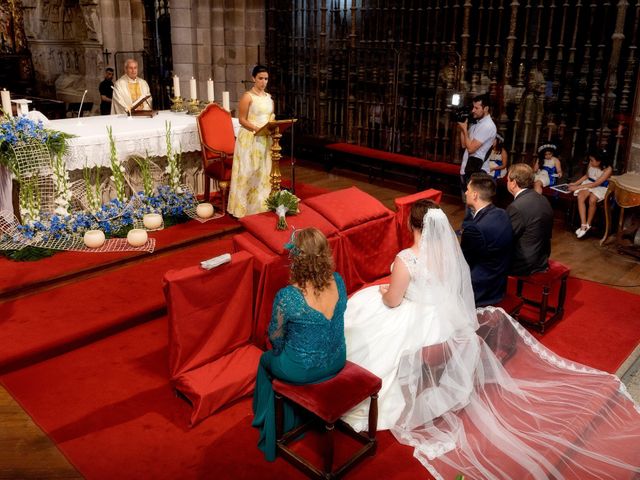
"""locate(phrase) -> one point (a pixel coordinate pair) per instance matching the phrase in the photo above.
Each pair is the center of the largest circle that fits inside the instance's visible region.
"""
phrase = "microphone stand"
(81, 103)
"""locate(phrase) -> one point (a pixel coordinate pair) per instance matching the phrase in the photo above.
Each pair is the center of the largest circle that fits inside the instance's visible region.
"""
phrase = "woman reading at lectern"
(250, 185)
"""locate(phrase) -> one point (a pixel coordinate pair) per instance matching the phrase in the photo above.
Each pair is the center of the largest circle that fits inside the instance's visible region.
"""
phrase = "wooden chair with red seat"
(218, 142)
(555, 276)
(328, 401)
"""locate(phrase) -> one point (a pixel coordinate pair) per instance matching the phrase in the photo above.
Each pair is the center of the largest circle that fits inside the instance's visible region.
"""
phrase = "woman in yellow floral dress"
(250, 185)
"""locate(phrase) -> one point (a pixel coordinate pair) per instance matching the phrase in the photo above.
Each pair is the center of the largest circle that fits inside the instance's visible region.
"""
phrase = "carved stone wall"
(218, 39)
(68, 47)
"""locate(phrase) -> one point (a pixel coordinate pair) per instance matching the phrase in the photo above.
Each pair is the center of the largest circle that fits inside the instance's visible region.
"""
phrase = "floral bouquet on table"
(21, 130)
(283, 203)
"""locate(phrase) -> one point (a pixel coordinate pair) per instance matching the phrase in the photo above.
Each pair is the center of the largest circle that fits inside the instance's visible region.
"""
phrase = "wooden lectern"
(134, 112)
(274, 129)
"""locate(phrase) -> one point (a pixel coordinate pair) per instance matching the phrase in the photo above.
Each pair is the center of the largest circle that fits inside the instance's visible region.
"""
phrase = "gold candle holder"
(194, 107)
(178, 105)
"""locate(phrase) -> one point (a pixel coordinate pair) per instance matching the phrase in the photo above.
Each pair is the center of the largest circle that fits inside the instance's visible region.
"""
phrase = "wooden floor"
(27, 453)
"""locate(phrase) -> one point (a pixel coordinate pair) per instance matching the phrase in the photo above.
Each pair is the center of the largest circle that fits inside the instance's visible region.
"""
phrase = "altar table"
(133, 136)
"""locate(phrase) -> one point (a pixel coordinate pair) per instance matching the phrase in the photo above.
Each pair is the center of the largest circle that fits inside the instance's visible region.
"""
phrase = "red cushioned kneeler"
(329, 401)
(263, 226)
(554, 278)
(403, 212)
(367, 230)
(210, 325)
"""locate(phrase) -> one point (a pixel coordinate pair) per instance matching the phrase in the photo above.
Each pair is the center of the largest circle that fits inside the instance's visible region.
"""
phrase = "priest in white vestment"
(129, 88)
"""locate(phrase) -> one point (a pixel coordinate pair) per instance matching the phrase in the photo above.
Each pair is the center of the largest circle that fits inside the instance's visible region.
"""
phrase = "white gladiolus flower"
(61, 211)
(112, 179)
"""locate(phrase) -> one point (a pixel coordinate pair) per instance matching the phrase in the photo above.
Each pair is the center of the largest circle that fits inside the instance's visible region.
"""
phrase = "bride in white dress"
(483, 399)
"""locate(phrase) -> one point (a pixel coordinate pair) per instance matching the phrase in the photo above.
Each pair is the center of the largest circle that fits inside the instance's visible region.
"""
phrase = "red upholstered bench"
(417, 168)
(556, 276)
(329, 401)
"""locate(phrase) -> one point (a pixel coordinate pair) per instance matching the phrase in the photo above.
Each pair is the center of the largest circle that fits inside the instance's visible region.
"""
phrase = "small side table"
(626, 190)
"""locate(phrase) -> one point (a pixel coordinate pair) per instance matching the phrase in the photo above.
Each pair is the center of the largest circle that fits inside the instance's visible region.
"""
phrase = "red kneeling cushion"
(331, 399)
(263, 226)
(348, 207)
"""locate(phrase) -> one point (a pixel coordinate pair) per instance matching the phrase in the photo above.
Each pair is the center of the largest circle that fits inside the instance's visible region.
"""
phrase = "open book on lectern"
(140, 101)
(269, 127)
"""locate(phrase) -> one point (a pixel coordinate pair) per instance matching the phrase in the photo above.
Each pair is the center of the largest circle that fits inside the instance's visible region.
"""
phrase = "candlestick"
(225, 101)
(6, 102)
(192, 88)
(176, 86)
(210, 92)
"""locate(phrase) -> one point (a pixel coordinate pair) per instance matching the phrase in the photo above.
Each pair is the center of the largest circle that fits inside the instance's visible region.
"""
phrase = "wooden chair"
(557, 273)
(328, 401)
(218, 141)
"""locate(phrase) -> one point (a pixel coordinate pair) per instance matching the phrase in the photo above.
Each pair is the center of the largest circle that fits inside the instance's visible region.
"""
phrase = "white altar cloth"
(133, 136)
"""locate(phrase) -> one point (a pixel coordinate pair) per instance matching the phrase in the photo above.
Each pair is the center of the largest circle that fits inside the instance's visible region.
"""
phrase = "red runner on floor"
(109, 407)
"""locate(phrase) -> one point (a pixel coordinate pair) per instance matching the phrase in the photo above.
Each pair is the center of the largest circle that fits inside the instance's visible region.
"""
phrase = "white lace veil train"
(493, 403)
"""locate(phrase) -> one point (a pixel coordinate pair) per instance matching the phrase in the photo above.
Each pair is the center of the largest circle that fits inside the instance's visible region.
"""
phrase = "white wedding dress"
(474, 392)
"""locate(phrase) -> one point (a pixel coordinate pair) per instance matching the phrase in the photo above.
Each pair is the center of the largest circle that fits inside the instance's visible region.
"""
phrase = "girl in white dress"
(498, 158)
(592, 187)
(473, 392)
(250, 173)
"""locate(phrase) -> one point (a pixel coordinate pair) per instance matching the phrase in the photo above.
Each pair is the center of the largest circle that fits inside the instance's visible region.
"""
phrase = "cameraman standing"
(476, 139)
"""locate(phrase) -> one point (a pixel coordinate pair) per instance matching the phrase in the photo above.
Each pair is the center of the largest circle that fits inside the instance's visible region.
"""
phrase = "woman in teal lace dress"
(306, 332)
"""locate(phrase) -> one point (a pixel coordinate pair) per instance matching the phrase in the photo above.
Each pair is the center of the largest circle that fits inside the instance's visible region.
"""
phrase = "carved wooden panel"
(381, 72)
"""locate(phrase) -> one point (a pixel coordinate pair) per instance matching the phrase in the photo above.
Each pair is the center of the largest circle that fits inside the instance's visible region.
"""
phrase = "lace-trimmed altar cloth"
(133, 136)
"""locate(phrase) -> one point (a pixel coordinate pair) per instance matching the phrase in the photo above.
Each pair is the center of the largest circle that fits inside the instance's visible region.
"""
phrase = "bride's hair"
(418, 210)
(312, 264)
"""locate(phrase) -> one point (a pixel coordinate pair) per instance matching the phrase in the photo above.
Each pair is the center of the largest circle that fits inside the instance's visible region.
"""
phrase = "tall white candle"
(225, 101)
(176, 86)
(210, 93)
(192, 88)
(6, 102)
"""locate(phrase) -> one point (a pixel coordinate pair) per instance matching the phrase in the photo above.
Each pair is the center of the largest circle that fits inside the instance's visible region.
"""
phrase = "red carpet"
(56, 320)
(600, 327)
(109, 408)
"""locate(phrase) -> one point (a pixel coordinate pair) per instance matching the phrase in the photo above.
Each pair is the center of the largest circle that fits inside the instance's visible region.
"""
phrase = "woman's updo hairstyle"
(418, 210)
(258, 69)
(311, 259)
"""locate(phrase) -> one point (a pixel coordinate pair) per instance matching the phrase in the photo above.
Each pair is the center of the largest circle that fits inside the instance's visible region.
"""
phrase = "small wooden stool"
(329, 401)
(511, 304)
(557, 272)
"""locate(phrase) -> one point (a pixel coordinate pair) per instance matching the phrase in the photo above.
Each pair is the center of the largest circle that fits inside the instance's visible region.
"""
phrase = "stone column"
(216, 39)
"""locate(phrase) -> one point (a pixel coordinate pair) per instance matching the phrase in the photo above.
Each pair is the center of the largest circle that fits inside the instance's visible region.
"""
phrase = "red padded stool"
(511, 304)
(328, 401)
(557, 272)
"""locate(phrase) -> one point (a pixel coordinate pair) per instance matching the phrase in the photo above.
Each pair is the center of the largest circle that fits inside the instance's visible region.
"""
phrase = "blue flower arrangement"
(21, 130)
(115, 218)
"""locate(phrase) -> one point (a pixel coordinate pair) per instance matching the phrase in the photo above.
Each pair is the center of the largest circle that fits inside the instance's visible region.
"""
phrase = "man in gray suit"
(532, 223)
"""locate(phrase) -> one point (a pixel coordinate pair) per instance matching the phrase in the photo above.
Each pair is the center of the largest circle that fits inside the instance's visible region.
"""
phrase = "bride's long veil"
(492, 402)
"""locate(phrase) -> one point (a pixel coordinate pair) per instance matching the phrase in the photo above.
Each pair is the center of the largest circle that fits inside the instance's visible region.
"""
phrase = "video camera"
(461, 113)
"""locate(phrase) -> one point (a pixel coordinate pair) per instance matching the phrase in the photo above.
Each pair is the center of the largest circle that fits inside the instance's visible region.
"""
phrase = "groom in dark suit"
(486, 241)
(532, 221)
